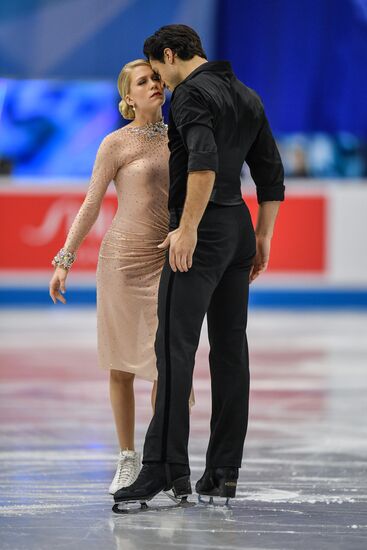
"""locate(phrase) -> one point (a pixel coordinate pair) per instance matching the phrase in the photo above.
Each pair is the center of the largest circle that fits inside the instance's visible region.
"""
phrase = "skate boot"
(153, 478)
(218, 482)
(127, 470)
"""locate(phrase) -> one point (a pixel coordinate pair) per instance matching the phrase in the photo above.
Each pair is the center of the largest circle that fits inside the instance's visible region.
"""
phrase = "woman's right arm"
(104, 170)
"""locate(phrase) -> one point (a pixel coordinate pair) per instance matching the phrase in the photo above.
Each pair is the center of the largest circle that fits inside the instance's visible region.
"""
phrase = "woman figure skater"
(135, 157)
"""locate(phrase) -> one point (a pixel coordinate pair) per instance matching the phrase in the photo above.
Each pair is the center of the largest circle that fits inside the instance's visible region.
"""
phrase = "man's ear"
(169, 55)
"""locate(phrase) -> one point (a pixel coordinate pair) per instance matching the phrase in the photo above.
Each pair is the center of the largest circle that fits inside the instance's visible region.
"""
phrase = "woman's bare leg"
(154, 394)
(123, 407)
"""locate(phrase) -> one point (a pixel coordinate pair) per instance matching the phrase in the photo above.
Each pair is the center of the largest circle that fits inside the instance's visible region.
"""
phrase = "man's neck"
(189, 66)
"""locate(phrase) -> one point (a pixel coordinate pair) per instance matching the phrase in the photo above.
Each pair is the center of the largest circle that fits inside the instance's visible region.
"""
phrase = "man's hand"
(262, 257)
(264, 230)
(181, 243)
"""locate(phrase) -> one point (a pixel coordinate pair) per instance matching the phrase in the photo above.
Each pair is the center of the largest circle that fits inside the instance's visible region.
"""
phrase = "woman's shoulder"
(113, 137)
(121, 137)
(114, 143)
(133, 141)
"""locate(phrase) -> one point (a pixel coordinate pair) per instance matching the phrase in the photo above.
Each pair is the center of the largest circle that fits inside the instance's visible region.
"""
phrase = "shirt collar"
(223, 67)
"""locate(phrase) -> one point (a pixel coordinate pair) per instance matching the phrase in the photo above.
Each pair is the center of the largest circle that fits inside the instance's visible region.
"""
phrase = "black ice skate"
(152, 479)
(217, 482)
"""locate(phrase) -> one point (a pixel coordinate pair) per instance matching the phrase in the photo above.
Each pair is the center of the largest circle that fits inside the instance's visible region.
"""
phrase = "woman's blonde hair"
(123, 86)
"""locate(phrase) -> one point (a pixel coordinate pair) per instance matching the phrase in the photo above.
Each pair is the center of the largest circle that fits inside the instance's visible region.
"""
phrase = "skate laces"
(126, 467)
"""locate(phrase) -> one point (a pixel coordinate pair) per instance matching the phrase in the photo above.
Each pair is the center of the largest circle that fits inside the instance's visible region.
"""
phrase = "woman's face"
(146, 89)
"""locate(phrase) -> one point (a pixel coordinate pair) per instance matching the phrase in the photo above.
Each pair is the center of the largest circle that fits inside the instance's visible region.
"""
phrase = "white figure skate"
(128, 468)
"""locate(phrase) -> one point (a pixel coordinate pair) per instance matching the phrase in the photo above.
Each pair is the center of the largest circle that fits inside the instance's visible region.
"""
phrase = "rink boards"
(316, 259)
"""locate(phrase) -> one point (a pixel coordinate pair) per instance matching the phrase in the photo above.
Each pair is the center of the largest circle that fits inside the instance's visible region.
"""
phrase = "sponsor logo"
(60, 216)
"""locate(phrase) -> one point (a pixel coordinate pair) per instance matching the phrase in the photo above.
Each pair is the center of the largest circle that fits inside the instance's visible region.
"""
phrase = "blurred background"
(59, 62)
(304, 482)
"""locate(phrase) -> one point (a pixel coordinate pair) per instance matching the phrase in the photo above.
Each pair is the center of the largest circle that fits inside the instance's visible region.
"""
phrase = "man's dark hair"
(181, 39)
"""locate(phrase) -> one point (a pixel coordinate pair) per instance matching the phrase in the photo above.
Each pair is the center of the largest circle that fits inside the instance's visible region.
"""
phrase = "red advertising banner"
(299, 241)
(34, 224)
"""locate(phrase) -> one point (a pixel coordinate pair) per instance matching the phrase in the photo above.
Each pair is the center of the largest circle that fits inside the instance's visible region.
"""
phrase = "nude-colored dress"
(129, 263)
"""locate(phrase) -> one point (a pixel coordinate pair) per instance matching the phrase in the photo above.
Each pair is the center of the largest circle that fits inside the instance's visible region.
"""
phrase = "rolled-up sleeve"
(194, 122)
(266, 166)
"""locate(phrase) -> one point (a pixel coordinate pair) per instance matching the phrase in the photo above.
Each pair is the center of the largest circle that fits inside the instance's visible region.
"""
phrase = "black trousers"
(216, 285)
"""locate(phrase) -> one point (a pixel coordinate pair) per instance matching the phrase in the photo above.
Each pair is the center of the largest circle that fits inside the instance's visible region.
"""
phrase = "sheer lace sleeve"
(105, 167)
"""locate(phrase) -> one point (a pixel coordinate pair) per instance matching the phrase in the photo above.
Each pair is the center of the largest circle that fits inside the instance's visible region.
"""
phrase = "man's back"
(216, 122)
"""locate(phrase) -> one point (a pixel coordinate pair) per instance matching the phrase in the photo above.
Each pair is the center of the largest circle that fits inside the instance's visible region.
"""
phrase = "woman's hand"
(57, 285)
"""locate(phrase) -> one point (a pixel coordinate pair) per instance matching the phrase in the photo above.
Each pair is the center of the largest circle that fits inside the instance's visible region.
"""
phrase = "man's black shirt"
(216, 123)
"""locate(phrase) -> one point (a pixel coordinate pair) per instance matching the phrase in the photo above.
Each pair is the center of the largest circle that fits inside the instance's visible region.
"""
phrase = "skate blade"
(127, 508)
(123, 509)
(219, 501)
(181, 501)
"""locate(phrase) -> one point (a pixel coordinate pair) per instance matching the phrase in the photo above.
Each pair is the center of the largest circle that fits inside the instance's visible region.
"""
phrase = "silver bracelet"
(64, 258)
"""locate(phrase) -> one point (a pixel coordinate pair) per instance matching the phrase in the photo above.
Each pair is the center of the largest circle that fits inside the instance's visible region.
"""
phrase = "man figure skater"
(215, 124)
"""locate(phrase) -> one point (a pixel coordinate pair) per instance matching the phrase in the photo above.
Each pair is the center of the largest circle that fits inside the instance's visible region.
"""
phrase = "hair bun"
(122, 106)
(126, 110)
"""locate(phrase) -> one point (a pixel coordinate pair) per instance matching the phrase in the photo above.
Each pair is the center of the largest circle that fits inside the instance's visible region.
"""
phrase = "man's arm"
(182, 241)
(267, 172)
(194, 122)
(266, 217)
(199, 189)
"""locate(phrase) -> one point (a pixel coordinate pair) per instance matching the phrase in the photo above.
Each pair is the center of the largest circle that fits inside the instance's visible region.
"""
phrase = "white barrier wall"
(347, 234)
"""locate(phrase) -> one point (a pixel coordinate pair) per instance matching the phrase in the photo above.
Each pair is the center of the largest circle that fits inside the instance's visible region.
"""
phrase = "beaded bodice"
(150, 129)
(136, 159)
